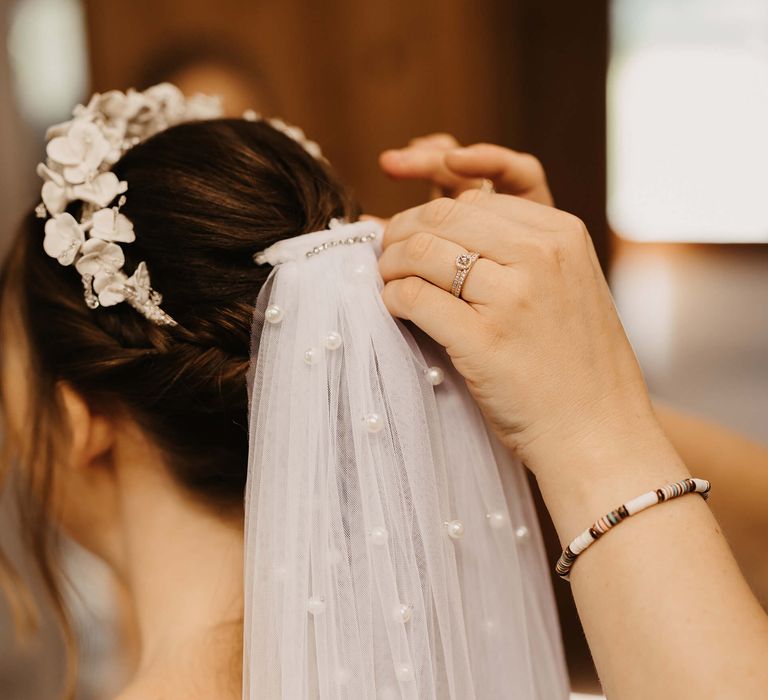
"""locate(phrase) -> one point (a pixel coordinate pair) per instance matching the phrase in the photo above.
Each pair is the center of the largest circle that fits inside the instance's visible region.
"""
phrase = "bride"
(195, 334)
(145, 387)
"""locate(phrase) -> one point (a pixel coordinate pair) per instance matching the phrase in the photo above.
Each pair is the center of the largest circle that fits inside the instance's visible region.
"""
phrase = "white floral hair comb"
(80, 154)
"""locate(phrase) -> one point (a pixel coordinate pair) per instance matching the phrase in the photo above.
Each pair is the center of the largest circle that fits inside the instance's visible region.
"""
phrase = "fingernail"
(459, 151)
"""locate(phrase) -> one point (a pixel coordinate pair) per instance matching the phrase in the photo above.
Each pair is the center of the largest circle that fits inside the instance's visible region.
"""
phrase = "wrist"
(595, 476)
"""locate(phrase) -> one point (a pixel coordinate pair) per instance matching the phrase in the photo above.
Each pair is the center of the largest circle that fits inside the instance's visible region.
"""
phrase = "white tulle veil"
(392, 548)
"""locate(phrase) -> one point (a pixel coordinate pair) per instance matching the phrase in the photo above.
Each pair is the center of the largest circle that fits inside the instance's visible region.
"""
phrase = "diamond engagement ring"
(464, 263)
(487, 186)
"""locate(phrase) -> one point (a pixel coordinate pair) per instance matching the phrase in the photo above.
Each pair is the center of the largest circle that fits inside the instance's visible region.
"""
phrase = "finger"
(511, 172)
(438, 313)
(439, 140)
(499, 227)
(434, 259)
(423, 164)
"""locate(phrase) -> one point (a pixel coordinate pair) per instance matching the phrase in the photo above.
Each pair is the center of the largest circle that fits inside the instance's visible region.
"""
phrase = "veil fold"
(392, 547)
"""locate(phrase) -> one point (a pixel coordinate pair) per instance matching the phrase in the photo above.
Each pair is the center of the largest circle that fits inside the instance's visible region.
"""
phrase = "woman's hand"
(535, 334)
(439, 159)
(539, 342)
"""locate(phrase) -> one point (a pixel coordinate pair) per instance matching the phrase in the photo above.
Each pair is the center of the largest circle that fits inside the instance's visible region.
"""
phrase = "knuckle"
(438, 139)
(564, 232)
(392, 231)
(532, 164)
(419, 246)
(438, 210)
(546, 248)
(572, 226)
(444, 139)
(573, 235)
(486, 146)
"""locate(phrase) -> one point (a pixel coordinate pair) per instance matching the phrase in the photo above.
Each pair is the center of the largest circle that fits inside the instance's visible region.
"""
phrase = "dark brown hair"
(203, 198)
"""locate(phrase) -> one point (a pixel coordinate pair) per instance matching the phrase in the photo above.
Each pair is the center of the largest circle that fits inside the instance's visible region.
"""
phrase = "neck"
(182, 565)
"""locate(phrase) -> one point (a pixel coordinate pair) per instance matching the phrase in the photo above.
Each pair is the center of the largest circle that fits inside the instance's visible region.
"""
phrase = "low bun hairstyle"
(203, 198)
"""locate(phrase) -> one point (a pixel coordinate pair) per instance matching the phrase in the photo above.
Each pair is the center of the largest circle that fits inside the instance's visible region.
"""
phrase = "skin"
(574, 405)
(178, 564)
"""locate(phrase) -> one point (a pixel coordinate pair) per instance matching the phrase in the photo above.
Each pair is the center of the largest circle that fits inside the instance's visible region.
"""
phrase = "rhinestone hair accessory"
(79, 156)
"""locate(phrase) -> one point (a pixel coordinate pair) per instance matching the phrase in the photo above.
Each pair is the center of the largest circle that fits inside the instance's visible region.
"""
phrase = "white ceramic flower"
(101, 190)
(78, 169)
(297, 134)
(59, 129)
(203, 107)
(111, 225)
(115, 134)
(80, 152)
(111, 288)
(56, 193)
(313, 148)
(121, 106)
(100, 258)
(88, 111)
(168, 102)
(64, 238)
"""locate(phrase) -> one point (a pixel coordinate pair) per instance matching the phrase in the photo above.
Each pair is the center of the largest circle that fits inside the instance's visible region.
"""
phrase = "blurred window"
(48, 57)
(688, 120)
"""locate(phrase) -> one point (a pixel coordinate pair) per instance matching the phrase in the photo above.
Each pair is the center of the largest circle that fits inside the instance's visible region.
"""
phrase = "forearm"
(665, 609)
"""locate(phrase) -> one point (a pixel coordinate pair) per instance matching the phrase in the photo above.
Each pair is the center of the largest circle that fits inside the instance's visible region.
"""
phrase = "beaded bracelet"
(601, 526)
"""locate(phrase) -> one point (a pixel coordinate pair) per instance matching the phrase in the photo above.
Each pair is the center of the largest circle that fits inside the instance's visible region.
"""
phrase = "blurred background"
(650, 117)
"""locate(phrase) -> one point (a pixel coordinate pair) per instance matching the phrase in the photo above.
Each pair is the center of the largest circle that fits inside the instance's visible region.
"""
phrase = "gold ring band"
(464, 263)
